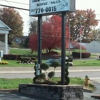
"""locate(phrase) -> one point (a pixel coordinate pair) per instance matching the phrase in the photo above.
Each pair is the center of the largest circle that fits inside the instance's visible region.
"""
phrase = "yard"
(7, 83)
(14, 83)
(92, 61)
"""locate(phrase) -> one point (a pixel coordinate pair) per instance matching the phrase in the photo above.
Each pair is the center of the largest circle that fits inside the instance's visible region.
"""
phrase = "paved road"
(16, 96)
(19, 96)
(93, 75)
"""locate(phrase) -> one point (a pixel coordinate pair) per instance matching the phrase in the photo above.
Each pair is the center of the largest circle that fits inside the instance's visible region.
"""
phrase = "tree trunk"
(31, 51)
(49, 50)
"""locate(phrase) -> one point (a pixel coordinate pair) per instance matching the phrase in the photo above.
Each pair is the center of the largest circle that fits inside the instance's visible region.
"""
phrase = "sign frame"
(47, 7)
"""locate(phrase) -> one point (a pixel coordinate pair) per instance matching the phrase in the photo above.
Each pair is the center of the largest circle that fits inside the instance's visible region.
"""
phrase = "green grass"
(86, 63)
(19, 51)
(75, 80)
(80, 63)
(14, 83)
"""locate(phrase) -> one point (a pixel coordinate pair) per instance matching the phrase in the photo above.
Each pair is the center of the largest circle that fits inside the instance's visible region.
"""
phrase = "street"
(19, 96)
(93, 75)
(16, 96)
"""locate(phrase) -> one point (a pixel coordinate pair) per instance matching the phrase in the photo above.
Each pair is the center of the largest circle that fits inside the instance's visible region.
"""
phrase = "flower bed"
(3, 62)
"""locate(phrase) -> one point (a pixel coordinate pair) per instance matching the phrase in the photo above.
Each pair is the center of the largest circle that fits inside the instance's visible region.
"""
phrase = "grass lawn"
(79, 63)
(19, 51)
(88, 63)
(9, 84)
(14, 83)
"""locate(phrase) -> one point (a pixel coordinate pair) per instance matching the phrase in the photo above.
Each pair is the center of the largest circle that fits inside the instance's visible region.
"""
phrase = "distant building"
(93, 47)
(19, 39)
(4, 30)
(2, 47)
(75, 45)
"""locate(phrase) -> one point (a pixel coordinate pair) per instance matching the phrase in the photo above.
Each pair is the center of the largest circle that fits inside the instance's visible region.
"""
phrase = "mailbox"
(1, 53)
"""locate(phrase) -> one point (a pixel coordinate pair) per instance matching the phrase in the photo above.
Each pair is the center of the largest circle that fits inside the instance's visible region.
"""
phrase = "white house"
(2, 47)
(4, 29)
(93, 47)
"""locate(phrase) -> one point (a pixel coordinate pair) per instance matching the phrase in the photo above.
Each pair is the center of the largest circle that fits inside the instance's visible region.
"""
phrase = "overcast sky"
(80, 4)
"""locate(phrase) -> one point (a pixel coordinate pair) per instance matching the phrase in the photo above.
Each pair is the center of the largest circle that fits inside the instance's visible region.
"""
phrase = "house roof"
(95, 41)
(77, 45)
(69, 45)
(21, 37)
(3, 26)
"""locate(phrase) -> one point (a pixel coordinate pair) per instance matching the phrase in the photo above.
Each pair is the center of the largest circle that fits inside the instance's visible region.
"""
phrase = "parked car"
(67, 59)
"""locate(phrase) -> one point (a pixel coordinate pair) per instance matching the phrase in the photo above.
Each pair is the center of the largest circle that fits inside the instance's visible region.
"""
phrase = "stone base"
(53, 92)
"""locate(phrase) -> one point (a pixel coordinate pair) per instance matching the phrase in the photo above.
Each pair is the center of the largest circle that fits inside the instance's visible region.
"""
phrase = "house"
(4, 30)
(2, 47)
(19, 39)
(75, 45)
(93, 47)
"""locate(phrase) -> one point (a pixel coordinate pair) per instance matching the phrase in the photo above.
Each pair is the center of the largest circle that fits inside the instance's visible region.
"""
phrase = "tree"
(26, 42)
(12, 18)
(82, 22)
(33, 27)
(98, 35)
(33, 42)
(51, 34)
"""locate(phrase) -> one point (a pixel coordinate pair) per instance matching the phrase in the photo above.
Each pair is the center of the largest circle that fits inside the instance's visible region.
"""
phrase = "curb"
(9, 90)
(9, 72)
(96, 96)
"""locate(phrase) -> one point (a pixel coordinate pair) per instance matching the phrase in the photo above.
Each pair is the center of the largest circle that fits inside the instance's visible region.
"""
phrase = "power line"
(20, 9)
(17, 8)
(14, 7)
(16, 2)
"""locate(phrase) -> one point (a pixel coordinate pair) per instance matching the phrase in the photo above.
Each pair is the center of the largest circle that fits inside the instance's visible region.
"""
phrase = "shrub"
(33, 58)
(84, 54)
(51, 53)
(42, 76)
(27, 60)
(55, 64)
(67, 79)
(11, 57)
(51, 74)
(44, 66)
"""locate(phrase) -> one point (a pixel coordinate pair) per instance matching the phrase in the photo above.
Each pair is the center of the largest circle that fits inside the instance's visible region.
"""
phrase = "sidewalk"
(95, 95)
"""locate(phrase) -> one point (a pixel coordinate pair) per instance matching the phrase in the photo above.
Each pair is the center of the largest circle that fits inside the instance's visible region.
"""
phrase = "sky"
(80, 4)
